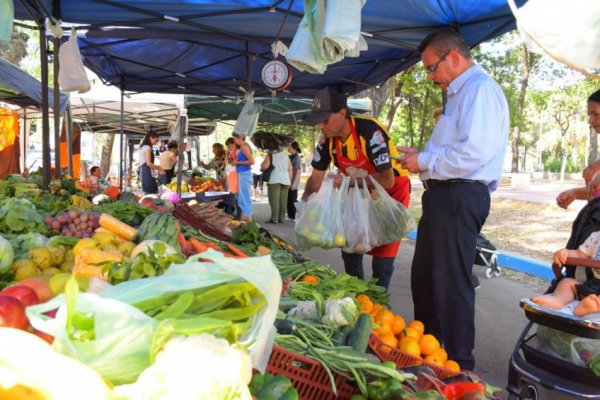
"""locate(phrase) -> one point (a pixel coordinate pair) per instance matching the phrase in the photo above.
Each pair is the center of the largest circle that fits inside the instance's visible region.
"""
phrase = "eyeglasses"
(431, 69)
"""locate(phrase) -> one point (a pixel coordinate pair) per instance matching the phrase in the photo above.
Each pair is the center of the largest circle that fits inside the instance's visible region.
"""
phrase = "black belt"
(429, 183)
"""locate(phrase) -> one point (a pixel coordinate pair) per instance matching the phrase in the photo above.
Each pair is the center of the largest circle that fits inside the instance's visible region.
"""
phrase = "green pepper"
(290, 394)
(594, 364)
(358, 397)
(257, 382)
(275, 388)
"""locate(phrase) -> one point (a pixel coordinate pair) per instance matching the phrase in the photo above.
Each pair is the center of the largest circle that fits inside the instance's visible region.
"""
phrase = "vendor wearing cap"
(360, 142)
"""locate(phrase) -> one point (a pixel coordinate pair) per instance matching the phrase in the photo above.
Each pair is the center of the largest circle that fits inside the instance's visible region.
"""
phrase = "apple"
(41, 287)
(12, 313)
(24, 294)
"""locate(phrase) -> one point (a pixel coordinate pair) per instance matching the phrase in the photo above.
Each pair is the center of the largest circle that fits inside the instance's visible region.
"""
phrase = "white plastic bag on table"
(260, 271)
(359, 237)
(583, 350)
(389, 219)
(120, 349)
(71, 74)
(313, 227)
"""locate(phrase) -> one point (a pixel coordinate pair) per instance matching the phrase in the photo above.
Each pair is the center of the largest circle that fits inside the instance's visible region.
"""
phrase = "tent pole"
(24, 142)
(122, 138)
(46, 161)
(68, 121)
(197, 143)
(56, 111)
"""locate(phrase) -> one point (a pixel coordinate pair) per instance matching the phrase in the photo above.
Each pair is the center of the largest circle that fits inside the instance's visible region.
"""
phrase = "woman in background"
(167, 161)
(279, 183)
(243, 165)
(218, 162)
(295, 158)
(146, 160)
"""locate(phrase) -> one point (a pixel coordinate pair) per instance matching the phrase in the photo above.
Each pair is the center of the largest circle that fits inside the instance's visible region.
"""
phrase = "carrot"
(186, 248)
(197, 245)
(213, 246)
(236, 252)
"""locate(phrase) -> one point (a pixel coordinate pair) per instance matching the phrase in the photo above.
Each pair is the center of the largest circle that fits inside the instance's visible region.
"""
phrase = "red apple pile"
(14, 299)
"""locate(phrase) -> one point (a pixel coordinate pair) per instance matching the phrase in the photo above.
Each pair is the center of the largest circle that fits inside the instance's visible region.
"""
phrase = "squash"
(30, 365)
(358, 338)
(117, 227)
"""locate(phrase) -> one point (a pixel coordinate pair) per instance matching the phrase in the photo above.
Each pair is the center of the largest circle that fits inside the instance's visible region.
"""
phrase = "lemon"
(84, 243)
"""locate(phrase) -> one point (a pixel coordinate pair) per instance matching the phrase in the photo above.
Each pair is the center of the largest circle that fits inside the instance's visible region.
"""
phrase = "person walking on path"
(460, 166)
(356, 142)
(243, 165)
(279, 183)
(294, 150)
(146, 160)
(590, 174)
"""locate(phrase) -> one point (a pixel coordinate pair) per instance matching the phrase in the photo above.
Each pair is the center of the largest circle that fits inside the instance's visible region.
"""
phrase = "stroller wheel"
(497, 272)
(488, 273)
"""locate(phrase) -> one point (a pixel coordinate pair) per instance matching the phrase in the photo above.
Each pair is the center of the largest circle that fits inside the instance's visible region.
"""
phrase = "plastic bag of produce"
(583, 350)
(359, 235)
(110, 336)
(260, 271)
(321, 217)
(389, 219)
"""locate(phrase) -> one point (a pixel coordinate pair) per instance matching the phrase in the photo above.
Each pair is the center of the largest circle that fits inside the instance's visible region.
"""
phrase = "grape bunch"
(75, 223)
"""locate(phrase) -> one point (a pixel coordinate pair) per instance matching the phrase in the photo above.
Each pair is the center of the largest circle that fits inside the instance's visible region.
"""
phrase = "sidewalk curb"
(514, 262)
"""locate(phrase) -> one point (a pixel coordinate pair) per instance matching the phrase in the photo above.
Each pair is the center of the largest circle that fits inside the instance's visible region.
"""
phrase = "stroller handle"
(575, 262)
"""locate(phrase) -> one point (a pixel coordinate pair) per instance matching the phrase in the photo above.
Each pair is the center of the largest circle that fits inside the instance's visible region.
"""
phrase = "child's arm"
(560, 256)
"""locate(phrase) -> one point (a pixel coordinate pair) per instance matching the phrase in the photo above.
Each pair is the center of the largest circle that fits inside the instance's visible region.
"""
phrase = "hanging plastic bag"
(7, 15)
(313, 228)
(248, 118)
(341, 29)
(110, 336)
(71, 74)
(389, 219)
(359, 237)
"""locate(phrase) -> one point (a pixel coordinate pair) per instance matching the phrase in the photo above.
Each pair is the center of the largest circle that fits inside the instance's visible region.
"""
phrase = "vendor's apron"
(400, 191)
(149, 185)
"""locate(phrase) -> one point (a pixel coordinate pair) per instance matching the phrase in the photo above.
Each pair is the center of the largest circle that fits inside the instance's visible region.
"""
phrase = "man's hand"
(410, 160)
(591, 172)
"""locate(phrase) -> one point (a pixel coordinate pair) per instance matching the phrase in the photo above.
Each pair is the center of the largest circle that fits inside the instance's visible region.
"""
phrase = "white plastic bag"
(389, 219)
(359, 237)
(260, 271)
(248, 118)
(71, 74)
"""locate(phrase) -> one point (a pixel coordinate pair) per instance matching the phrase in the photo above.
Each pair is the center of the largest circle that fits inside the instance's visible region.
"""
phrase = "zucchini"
(358, 338)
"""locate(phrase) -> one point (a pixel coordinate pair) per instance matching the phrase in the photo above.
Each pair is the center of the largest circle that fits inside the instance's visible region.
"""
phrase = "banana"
(81, 202)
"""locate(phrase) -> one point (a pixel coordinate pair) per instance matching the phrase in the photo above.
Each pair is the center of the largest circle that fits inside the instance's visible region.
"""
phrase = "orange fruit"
(363, 297)
(418, 325)
(366, 306)
(376, 308)
(389, 339)
(398, 324)
(313, 280)
(452, 365)
(411, 347)
(442, 354)
(383, 329)
(412, 332)
(404, 339)
(429, 344)
(434, 359)
(384, 315)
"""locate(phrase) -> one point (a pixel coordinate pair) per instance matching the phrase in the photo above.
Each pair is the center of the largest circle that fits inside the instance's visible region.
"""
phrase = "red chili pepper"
(464, 391)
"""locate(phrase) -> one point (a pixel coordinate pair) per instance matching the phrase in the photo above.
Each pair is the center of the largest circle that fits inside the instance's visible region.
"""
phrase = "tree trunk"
(105, 158)
(378, 95)
(593, 146)
(515, 150)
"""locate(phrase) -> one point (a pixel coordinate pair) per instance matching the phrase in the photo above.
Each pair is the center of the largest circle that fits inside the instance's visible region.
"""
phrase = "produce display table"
(227, 200)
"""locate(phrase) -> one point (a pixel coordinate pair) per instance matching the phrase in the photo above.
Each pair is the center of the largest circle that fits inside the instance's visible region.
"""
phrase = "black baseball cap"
(326, 102)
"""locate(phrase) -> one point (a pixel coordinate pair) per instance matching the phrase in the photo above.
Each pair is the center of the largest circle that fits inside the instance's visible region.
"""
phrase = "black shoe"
(270, 222)
(475, 282)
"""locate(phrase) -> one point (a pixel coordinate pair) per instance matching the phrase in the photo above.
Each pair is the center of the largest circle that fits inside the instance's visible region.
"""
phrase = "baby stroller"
(550, 358)
(486, 255)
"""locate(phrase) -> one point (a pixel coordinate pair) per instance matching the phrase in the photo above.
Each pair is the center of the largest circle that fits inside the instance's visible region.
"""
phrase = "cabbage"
(7, 254)
(24, 242)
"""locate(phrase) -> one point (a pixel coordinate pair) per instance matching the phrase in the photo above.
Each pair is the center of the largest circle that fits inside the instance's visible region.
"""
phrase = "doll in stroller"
(559, 348)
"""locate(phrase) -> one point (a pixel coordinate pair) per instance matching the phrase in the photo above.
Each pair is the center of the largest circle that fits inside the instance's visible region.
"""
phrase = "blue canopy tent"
(19, 88)
(212, 47)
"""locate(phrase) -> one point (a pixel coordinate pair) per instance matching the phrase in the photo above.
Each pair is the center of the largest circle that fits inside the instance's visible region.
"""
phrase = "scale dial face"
(276, 75)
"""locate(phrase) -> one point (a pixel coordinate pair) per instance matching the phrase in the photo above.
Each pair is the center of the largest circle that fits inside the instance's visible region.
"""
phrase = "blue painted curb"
(517, 263)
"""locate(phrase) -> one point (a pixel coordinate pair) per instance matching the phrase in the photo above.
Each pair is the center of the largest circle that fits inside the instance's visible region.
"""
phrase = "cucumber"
(340, 337)
(358, 338)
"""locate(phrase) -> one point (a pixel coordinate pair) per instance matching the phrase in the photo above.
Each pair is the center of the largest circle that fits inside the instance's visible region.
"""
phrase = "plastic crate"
(387, 353)
(308, 376)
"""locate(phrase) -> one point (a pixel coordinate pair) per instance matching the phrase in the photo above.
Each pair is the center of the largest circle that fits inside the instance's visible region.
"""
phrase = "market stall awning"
(19, 88)
(212, 47)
